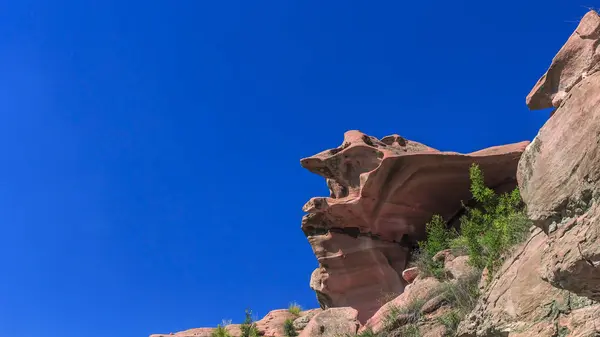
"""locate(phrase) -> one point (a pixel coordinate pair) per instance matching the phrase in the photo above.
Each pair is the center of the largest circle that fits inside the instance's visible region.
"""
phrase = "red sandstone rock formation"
(551, 284)
(559, 174)
(382, 192)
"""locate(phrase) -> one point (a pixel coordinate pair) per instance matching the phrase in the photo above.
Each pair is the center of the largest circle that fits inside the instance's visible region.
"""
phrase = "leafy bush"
(487, 231)
(491, 229)
(248, 328)
(295, 308)
(438, 239)
(220, 332)
(288, 328)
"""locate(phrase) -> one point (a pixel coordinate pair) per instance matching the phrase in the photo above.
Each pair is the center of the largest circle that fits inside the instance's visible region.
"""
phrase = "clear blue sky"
(150, 177)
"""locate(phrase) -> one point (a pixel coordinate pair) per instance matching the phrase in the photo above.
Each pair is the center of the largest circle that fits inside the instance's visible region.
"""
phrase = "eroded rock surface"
(269, 326)
(382, 192)
(550, 286)
(333, 322)
(518, 302)
(559, 173)
(272, 324)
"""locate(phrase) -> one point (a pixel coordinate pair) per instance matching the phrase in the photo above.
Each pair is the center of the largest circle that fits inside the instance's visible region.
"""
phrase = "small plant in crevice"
(386, 297)
(295, 308)
(438, 239)
(248, 328)
(462, 294)
(409, 330)
(400, 316)
(288, 328)
(220, 331)
(367, 333)
(450, 320)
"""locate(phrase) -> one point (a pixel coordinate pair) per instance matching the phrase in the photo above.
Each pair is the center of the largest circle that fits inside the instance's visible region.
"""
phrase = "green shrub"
(438, 239)
(409, 330)
(248, 328)
(450, 320)
(487, 231)
(462, 293)
(295, 308)
(220, 331)
(288, 328)
(492, 228)
(367, 333)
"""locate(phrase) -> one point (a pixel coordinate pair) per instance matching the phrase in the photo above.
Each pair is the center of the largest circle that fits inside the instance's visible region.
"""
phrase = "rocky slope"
(382, 192)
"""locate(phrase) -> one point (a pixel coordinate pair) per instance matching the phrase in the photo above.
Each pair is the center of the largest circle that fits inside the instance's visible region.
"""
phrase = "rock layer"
(382, 192)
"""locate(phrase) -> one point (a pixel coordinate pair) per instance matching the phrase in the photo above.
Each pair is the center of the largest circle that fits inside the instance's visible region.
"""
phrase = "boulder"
(420, 290)
(410, 274)
(332, 322)
(459, 268)
(305, 316)
(382, 193)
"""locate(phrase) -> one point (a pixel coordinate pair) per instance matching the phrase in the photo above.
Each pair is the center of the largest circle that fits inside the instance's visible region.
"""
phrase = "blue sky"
(150, 178)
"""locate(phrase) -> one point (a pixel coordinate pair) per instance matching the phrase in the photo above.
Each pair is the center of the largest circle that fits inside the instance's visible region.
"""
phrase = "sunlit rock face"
(382, 193)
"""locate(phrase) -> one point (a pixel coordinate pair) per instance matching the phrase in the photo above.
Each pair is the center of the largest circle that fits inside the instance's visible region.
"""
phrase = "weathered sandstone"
(382, 192)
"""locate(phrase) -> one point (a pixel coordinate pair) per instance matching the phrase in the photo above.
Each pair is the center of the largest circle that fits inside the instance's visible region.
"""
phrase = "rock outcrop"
(559, 174)
(269, 326)
(551, 285)
(382, 193)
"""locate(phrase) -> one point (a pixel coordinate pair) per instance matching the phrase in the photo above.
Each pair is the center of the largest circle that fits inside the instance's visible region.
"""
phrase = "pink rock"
(272, 324)
(558, 173)
(332, 322)
(443, 256)
(416, 291)
(459, 268)
(199, 332)
(382, 192)
(410, 274)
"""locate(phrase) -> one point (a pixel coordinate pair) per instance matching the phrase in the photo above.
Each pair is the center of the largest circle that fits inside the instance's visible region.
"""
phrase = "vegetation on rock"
(288, 328)
(248, 328)
(487, 231)
(295, 308)
(220, 331)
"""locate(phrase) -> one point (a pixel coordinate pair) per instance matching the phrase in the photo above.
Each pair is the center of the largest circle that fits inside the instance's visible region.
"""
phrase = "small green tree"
(498, 223)
(438, 239)
(288, 328)
(248, 328)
